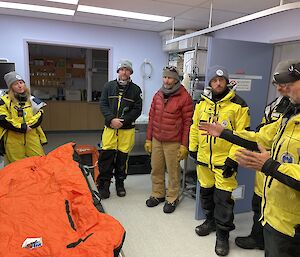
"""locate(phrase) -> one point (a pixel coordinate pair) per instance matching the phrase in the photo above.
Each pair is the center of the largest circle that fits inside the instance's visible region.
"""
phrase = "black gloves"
(193, 154)
(229, 168)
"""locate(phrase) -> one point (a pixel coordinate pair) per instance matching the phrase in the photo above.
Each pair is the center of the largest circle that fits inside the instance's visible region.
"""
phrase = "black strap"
(206, 165)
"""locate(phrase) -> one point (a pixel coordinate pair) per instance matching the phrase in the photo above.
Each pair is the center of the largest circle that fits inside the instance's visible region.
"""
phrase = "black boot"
(206, 227)
(248, 242)
(207, 203)
(103, 187)
(222, 243)
(121, 192)
(256, 238)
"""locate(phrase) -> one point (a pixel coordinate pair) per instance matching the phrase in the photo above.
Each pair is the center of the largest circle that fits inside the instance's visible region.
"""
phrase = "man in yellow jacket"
(281, 192)
(273, 111)
(121, 105)
(216, 167)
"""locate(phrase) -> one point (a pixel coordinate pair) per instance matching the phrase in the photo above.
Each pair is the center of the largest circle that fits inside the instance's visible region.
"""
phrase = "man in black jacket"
(121, 105)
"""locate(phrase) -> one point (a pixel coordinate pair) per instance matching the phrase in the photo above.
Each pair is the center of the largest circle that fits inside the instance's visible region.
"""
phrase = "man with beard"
(217, 167)
(121, 105)
(274, 150)
(167, 137)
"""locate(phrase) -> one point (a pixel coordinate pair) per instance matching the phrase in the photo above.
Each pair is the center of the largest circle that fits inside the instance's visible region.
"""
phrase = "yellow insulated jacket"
(281, 193)
(273, 111)
(232, 112)
(15, 118)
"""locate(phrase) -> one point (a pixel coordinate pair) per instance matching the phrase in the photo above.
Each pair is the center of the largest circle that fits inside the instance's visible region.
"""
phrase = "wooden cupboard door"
(46, 123)
(60, 116)
(95, 117)
(78, 116)
(71, 116)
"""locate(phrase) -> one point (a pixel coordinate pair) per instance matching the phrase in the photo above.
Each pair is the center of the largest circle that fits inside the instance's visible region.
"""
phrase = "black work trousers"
(280, 245)
(112, 163)
(257, 228)
(218, 204)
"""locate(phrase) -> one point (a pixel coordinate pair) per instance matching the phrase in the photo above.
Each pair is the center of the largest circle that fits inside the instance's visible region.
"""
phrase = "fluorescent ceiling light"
(119, 13)
(36, 8)
(64, 1)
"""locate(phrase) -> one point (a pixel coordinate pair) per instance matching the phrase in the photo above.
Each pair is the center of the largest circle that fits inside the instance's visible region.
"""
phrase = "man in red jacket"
(170, 118)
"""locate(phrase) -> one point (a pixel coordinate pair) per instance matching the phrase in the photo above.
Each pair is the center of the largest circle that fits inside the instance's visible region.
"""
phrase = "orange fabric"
(33, 195)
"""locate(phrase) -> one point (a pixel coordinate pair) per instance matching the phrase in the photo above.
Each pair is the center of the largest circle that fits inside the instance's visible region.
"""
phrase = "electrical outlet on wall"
(239, 192)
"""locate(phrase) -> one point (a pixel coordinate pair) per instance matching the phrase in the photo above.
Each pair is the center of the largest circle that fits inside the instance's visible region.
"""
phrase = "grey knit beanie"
(12, 77)
(171, 72)
(217, 71)
(125, 64)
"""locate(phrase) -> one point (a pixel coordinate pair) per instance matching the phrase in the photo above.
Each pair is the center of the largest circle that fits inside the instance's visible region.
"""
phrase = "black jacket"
(130, 106)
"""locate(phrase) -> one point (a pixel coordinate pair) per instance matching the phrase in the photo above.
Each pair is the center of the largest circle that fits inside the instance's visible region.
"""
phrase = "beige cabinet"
(71, 116)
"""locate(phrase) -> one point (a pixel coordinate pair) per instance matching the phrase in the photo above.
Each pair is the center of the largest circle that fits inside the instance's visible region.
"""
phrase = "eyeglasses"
(171, 68)
(275, 84)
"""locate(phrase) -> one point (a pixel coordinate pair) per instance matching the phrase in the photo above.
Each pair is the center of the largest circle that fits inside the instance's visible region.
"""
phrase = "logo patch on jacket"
(32, 243)
(287, 158)
(224, 123)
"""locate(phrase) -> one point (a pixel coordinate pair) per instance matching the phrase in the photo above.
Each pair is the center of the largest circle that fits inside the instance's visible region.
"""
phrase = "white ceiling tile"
(189, 14)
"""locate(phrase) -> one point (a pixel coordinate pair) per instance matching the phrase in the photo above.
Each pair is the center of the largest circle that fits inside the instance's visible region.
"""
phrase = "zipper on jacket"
(207, 136)
(271, 179)
(210, 138)
(265, 197)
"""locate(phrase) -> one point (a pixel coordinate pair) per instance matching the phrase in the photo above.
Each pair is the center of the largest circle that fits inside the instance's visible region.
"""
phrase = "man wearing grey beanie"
(167, 136)
(217, 167)
(121, 105)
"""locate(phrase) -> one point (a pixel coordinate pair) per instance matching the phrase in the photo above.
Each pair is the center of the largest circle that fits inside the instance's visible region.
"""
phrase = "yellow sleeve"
(194, 137)
(290, 170)
(35, 118)
(243, 123)
(6, 119)
(265, 136)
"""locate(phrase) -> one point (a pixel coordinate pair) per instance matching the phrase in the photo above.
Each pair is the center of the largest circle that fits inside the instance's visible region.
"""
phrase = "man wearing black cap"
(217, 167)
(273, 111)
(121, 105)
(281, 194)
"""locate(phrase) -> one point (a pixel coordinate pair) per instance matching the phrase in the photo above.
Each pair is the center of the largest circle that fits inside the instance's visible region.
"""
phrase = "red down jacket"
(48, 198)
(171, 121)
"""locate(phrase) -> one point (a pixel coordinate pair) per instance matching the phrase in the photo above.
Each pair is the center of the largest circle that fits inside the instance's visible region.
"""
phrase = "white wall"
(125, 43)
(280, 27)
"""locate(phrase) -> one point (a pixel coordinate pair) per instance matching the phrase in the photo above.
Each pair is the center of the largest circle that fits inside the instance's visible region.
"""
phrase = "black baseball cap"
(287, 72)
